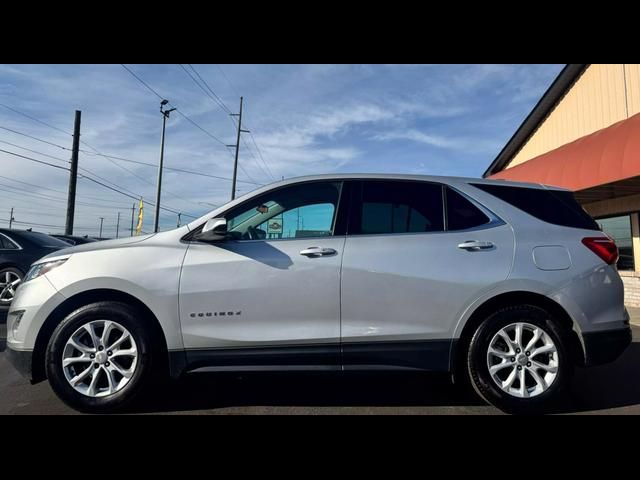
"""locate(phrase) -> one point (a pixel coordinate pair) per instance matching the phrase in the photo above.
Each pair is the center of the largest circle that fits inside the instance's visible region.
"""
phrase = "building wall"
(603, 95)
(616, 206)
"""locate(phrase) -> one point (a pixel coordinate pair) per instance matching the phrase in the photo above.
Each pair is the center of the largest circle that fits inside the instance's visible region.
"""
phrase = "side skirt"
(425, 355)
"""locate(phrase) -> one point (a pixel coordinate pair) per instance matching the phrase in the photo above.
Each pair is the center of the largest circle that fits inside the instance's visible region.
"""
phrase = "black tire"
(478, 369)
(4, 307)
(130, 319)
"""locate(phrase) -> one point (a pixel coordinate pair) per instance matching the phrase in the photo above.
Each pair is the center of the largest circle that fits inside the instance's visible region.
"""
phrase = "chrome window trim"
(486, 226)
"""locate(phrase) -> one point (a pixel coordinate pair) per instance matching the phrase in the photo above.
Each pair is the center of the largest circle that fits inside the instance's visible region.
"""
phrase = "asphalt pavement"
(609, 389)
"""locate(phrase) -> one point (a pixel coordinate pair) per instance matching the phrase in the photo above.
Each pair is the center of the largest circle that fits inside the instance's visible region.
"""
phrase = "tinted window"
(44, 240)
(397, 207)
(5, 243)
(552, 206)
(461, 213)
(299, 211)
(619, 228)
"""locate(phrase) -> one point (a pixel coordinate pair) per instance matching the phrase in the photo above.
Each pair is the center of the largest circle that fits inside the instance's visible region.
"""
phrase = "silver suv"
(507, 285)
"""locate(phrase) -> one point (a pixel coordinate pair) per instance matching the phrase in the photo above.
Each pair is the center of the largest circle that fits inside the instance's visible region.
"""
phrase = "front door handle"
(475, 245)
(317, 252)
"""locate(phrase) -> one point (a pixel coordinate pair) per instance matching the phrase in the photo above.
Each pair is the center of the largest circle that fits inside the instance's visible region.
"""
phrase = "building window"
(619, 228)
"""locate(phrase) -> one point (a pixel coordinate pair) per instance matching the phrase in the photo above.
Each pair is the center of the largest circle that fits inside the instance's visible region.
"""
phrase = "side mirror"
(214, 230)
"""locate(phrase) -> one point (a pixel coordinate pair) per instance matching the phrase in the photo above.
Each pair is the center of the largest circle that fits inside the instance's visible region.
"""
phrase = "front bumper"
(21, 361)
(605, 346)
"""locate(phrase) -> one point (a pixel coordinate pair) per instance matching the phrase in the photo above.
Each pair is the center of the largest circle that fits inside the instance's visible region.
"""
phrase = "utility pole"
(11, 219)
(133, 212)
(73, 176)
(179, 215)
(165, 115)
(118, 226)
(101, 220)
(237, 146)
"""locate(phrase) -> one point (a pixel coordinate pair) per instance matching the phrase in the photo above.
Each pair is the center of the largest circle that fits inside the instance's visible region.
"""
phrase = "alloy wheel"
(99, 358)
(522, 360)
(9, 281)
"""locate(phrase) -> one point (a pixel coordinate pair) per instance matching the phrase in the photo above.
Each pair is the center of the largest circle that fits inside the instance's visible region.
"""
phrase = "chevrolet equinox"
(506, 285)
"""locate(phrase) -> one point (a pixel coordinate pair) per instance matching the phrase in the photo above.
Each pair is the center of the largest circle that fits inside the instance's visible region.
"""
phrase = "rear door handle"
(475, 245)
(317, 252)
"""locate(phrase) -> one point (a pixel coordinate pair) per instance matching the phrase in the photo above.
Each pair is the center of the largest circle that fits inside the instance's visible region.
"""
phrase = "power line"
(248, 127)
(218, 101)
(35, 119)
(142, 82)
(260, 154)
(59, 191)
(51, 213)
(135, 198)
(191, 172)
(186, 117)
(227, 79)
(217, 98)
(20, 194)
(37, 224)
(34, 151)
(65, 148)
(34, 138)
(135, 174)
(213, 97)
(250, 133)
(255, 159)
(200, 128)
(34, 160)
(177, 109)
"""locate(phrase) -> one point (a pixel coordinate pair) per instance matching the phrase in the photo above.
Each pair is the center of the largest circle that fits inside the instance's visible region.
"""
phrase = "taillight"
(603, 247)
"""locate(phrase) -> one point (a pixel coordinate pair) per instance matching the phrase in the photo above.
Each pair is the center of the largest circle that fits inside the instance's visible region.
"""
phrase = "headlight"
(40, 269)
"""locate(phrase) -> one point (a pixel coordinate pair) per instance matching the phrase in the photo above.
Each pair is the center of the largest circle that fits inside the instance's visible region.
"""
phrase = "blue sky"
(305, 119)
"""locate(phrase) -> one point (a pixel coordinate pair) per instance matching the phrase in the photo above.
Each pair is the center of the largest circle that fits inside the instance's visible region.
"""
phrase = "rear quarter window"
(552, 206)
(461, 213)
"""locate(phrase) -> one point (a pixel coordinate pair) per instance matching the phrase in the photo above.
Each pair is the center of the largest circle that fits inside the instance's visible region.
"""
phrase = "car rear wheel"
(10, 278)
(517, 360)
(100, 357)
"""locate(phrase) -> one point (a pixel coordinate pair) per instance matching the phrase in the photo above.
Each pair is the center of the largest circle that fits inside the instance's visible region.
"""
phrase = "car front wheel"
(100, 357)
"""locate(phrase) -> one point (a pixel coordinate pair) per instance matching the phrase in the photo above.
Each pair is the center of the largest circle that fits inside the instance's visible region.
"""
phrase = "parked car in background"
(507, 285)
(74, 239)
(18, 250)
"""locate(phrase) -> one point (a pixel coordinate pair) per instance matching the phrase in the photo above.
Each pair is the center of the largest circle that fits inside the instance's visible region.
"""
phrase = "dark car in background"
(74, 239)
(18, 250)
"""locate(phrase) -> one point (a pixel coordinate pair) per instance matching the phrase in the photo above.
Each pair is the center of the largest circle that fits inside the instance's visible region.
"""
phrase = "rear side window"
(461, 213)
(397, 207)
(552, 206)
(7, 244)
(44, 240)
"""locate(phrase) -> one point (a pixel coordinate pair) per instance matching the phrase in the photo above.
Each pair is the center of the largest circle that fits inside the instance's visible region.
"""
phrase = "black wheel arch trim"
(79, 300)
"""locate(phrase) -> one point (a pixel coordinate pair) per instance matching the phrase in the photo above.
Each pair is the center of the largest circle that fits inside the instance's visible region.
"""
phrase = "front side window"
(397, 207)
(298, 211)
(619, 228)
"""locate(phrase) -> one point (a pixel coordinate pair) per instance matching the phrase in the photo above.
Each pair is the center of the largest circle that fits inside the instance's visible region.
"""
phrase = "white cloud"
(420, 137)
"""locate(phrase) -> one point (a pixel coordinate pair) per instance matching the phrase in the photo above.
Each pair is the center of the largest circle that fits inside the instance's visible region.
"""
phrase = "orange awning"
(606, 156)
